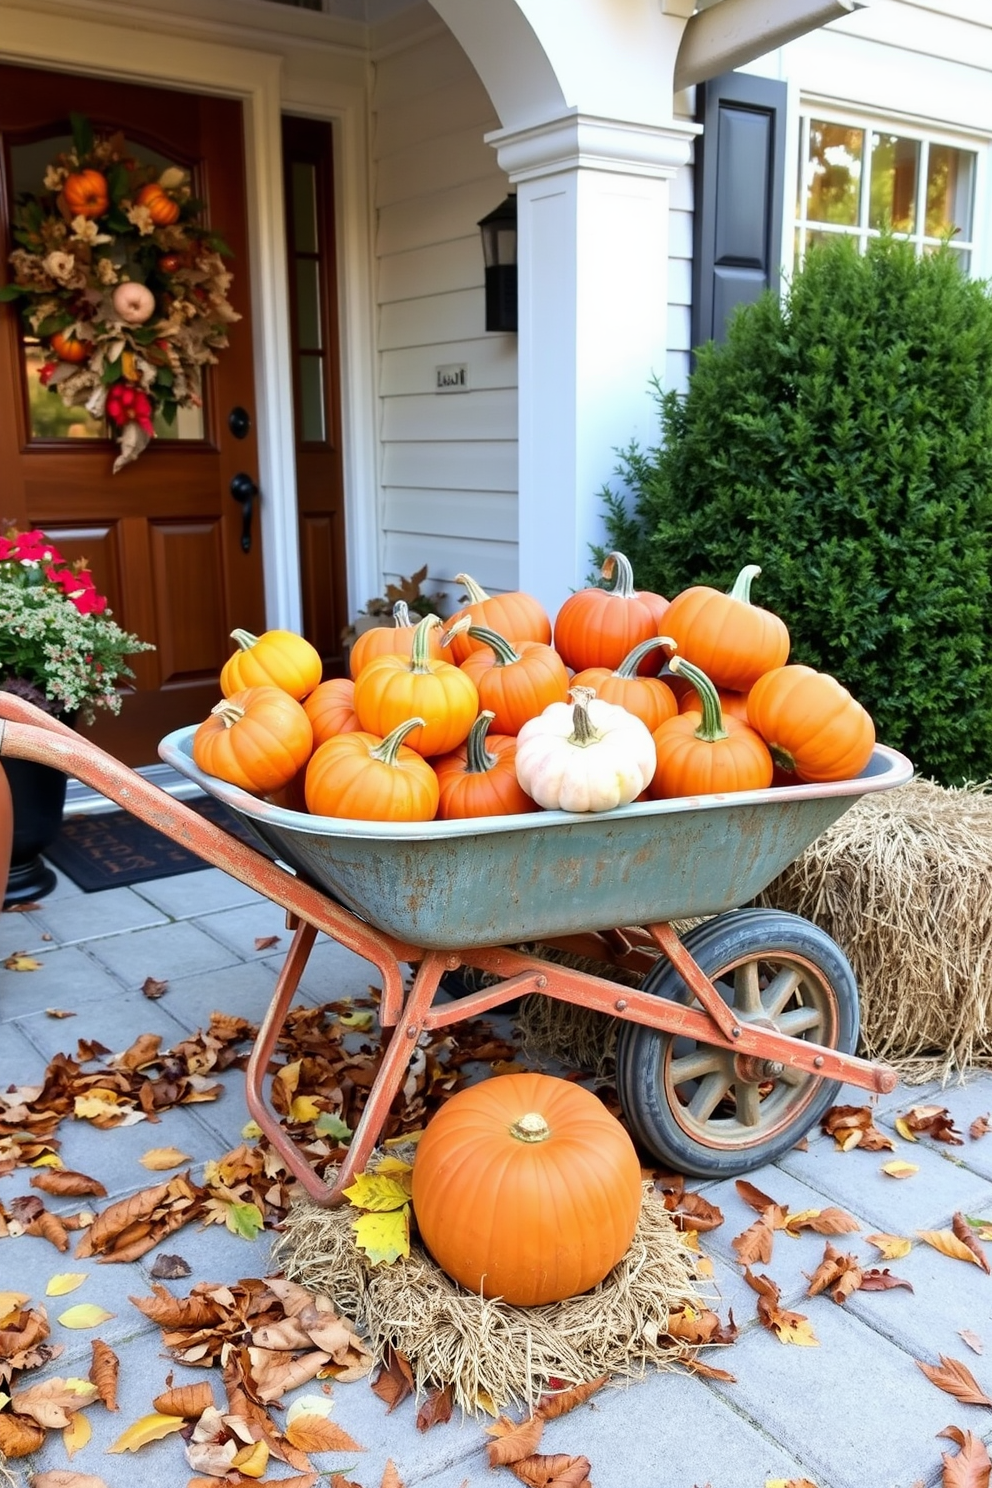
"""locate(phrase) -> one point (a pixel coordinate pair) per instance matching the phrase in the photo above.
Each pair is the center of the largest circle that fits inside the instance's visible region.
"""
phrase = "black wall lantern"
(499, 247)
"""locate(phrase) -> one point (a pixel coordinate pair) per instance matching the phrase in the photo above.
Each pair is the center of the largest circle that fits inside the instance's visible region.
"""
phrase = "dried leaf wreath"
(124, 288)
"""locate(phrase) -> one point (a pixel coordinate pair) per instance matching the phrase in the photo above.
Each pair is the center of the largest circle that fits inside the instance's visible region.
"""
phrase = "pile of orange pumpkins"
(626, 697)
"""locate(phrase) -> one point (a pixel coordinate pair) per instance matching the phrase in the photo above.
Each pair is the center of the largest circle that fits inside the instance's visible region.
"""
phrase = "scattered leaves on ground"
(956, 1379)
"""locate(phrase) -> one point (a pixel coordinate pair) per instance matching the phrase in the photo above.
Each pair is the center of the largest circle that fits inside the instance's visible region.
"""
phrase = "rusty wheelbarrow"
(729, 1050)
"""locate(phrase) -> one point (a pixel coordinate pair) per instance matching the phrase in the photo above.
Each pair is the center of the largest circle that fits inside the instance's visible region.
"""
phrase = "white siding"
(448, 460)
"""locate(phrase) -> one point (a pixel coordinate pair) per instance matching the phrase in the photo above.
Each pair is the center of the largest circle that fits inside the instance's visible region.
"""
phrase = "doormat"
(113, 849)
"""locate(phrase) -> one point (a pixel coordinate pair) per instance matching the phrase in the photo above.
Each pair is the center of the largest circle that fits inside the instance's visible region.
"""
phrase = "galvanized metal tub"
(504, 879)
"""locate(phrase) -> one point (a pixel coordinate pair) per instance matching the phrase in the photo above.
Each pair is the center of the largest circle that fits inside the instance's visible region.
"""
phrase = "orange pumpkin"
(257, 739)
(393, 688)
(811, 724)
(69, 348)
(479, 778)
(706, 754)
(526, 1188)
(725, 635)
(390, 640)
(518, 616)
(517, 683)
(86, 193)
(161, 207)
(331, 709)
(363, 777)
(599, 627)
(648, 698)
(278, 658)
(732, 704)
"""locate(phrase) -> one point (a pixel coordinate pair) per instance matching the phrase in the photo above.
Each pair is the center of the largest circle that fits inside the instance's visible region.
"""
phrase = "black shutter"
(739, 195)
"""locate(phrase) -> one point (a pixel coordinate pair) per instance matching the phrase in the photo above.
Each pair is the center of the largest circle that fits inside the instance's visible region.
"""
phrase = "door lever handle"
(244, 490)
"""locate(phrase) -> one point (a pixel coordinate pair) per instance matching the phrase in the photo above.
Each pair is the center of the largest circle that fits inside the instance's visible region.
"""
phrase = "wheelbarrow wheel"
(696, 1106)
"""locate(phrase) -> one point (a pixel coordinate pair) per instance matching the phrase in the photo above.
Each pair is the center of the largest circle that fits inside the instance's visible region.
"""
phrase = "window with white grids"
(860, 179)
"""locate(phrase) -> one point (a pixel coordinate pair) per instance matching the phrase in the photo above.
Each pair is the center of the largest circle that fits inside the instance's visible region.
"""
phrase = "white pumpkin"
(584, 756)
(133, 302)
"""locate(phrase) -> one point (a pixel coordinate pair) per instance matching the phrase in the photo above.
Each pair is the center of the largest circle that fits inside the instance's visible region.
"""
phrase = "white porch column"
(592, 236)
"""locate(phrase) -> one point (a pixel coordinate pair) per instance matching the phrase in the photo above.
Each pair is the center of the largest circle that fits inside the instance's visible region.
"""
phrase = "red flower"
(130, 405)
(34, 547)
(45, 374)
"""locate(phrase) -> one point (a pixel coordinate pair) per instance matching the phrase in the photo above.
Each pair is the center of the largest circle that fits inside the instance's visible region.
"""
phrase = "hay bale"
(903, 884)
(488, 1348)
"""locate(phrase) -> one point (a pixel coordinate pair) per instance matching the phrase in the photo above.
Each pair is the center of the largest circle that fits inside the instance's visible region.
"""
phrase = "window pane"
(50, 418)
(311, 399)
(950, 191)
(895, 164)
(308, 304)
(303, 184)
(833, 173)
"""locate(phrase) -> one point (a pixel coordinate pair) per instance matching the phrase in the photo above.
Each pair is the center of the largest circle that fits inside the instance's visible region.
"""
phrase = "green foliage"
(842, 439)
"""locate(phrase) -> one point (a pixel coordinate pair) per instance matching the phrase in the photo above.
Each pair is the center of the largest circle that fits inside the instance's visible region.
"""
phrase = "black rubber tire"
(804, 985)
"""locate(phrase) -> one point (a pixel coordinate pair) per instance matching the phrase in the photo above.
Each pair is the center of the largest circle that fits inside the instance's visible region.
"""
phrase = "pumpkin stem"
(530, 1127)
(456, 628)
(244, 638)
(742, 584)
(475, 594)
(505, 654)
(228, 712)
(711, 729)
(420, 659)
(623, 585)
(583, 732)
(478, 760)
(628, 667)
(388, 750)
(401, 615)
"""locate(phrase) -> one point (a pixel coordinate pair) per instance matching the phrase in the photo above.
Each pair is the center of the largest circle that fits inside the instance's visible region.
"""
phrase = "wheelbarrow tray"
(500, 880)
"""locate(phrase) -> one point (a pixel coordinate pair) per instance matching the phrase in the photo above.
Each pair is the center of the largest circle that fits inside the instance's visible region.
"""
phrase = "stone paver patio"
(854, 1412)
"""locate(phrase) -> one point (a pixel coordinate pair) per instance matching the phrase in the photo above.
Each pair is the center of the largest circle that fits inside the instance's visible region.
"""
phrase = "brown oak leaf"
(549, 1407)
(64, 1182)
(394, 1381)
(956, 1379)
(513, 1440)
(970, 1467)
(558, 1471)
(104, 1370)
(435, 1410)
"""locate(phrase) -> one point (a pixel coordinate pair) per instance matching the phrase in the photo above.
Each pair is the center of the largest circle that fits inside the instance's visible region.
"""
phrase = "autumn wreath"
(121, 284)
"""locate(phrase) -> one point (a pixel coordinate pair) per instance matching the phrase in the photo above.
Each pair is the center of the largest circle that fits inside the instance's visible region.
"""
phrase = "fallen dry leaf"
(788, 1327)
(972, 1340)
(893, 1247)
(559, 1471)
(513, 1440)
(956, 1379)
(970, 1467)
(76, 1434)
(84, 1315)
(54, 1401)
(64, 1283)
(185, 1400)
(435, 1410)
(312, 1433)
(266, 942)
(65, 1183)
(962, 1229)
(979, 1127)
(19, 1436)
(169, 1268)
(153, 989)
(852, 1126)
(931, 1121)
(394, 1382)
(21, 961)
(950, 1244)
(158, 1159)
(899, 1169)
(876, 1280)
(61, 1477)
(837, 1273)
(549, 1407)
(104, 1370)
(147, 1429)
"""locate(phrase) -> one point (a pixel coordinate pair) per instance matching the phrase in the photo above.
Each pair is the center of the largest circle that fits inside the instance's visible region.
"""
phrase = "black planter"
(38, 794)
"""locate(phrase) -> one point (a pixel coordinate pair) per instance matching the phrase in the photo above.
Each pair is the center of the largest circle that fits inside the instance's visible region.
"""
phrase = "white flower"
(84, 230)
(105, 271)
(141, 218)
(63, 269)
(55, 177)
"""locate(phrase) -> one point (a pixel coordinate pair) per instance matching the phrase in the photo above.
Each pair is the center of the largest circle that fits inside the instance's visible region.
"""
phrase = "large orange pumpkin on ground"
(526, 1188)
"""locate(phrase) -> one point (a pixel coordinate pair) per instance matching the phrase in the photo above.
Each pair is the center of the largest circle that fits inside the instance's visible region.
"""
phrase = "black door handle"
(244, 489)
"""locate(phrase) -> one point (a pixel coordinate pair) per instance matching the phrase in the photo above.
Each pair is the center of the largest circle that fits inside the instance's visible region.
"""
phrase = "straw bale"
(486, 1348)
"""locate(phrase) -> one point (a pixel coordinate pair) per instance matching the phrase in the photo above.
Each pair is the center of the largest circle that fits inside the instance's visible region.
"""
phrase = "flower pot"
(39, 795)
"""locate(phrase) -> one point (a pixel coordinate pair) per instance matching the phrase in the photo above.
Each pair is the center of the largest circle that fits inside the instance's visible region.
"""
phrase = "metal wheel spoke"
(702, 1061)
(800, 1020)
(747, 991)
(711, 1090)
(776, 995)
(748, 1103)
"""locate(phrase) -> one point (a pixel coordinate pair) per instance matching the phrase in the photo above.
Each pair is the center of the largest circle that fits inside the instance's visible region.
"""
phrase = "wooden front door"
(166, 540)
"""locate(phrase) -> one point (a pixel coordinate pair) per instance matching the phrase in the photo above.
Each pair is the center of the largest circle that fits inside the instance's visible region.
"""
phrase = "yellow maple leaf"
(21, 961)
(147, 1429)
(793, 1328)
(47, 1160)
(948, 1244)
(289, 1077)
(76, 1434)
(97, 1103)
(84, 1315)
(384, 1237)
(64, 1282)
(252, 1460)
(393, 1167)
(370, 1191)
(304, 1108)
(900, 1169)
(893, 1247)
(158, 1159)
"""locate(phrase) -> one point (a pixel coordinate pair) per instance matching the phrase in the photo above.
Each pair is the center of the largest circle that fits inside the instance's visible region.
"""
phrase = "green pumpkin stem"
(401, 615)
(420, 659)
(628, 667)
(531, 1127)
(505, 654)
(389, 749)
(244, 638)
(583, 732)
(618, 568)
(475, 593)
(742, 583)
(228, 712)
(711, 729)
(478, 760)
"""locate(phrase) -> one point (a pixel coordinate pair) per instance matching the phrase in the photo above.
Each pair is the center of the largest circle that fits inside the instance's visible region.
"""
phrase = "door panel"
(163, 537)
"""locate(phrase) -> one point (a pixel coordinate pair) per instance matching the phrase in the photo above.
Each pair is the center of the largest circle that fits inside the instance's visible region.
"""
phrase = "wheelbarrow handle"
(28, 733)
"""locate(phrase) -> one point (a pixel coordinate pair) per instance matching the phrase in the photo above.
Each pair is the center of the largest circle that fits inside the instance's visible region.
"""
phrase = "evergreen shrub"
(842, 439)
